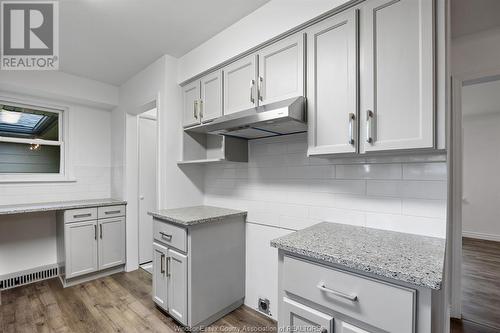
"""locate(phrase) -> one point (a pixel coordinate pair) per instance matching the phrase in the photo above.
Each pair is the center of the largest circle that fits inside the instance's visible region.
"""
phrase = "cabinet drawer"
(170, 235)
(110, 211)
(77, 215)
(382, 305)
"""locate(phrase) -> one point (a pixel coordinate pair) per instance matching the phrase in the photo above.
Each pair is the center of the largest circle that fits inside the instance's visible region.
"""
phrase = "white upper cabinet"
(191, 99)
(397, 75)
(332, 83)
(240, 89)
(211, 96)
(281, 70)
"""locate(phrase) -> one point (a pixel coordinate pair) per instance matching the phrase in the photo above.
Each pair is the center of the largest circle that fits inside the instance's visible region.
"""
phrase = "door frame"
(154, 104)
(456, 190)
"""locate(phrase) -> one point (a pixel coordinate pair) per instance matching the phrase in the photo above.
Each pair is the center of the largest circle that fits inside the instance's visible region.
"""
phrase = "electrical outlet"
(263, 305)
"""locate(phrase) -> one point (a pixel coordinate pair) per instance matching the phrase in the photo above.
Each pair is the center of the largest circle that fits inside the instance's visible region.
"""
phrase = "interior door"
(333, 85)
(147, 185)
(191, 98)
(111, 242)
(211, 96)
(240, 90)
(177, 285)
(281, 70)
(81, 248)
(397, 75)
(301, 318)
(160, 289)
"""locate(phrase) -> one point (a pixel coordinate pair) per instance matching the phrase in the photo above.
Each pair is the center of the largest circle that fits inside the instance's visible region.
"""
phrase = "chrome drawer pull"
(168, 265)
(370, 132)
(77, 216)
(164, 235)
(352, 298)
(162, 264)
(112, 212)
(352, 117)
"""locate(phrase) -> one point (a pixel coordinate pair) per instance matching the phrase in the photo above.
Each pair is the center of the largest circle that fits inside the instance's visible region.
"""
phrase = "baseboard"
(479, 235)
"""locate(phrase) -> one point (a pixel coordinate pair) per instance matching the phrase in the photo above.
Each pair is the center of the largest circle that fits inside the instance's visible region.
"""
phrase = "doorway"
(147, 155)
(477, 180)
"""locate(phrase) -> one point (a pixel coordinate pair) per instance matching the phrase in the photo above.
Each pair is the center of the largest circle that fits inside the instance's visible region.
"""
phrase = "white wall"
(28, 241)
(282, 190)
(481, 184)
(279, 16)
(157, 83)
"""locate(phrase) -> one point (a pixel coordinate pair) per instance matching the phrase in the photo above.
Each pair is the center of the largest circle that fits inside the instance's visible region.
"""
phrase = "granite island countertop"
(188, 216)
(58, 205)
(414, 259)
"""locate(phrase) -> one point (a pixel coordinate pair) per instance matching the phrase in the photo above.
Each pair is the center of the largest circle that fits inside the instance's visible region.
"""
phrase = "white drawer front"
(387, 307)
(111, 211)
(78, 215)
(170, 234)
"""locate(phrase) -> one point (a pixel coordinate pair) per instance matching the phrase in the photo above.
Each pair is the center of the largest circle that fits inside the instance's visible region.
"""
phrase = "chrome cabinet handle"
(352, 118)
(259, 89)
(162, 264)
(95, 232)
(201, 109)
(77, 216)
(164, 235)
(112, 212)
(252, 84)
(369, 126)
(321, 286)
(168, 265)
(195, 106)
(100, 231)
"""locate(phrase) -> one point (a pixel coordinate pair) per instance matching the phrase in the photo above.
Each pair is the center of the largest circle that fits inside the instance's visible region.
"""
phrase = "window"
(31, 140)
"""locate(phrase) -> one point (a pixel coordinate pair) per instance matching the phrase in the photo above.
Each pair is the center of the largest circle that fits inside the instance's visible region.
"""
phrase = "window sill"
(10, 179)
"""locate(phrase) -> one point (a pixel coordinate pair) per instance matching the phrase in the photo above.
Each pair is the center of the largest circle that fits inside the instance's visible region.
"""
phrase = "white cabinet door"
(348, 328)
(397, 57)
(111, 242)
(240, 91)
(281, 70)
(191, 99)
(177, 285)
(160, 276)
(301, 318)
(211, 96)
(81, 248)
(333, 85)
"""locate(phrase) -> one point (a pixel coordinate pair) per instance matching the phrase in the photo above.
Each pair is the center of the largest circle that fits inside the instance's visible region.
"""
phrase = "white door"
(281, 70)
(81, 248)
(191, 100)
(160, 290)
(177, 285)
(301, 318)
(333, 85)
(147, 185)
(240, 89)
(211, 96)
(111, 242)
(397, 57)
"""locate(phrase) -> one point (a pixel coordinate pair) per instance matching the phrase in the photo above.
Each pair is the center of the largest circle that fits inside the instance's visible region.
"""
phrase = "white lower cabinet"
(177, 285)
(90, 248)
(160, 289)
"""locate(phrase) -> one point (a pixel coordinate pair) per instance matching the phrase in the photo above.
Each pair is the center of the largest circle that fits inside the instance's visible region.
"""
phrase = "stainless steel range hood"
(279, 118)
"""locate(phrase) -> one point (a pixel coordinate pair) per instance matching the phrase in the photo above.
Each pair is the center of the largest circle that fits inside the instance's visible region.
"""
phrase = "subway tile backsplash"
(281, 187)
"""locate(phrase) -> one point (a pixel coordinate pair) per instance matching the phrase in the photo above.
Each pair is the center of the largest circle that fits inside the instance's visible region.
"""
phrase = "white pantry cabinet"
(333, 85)
(397, 75)
(281, 70)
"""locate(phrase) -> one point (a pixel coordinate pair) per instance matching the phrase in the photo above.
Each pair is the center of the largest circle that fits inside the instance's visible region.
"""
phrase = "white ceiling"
(471, 16)
(111, 40)
(481, 98)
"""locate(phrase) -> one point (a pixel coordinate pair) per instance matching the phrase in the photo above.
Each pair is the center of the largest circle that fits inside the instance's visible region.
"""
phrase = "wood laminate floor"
(118, 303)
(481, 282)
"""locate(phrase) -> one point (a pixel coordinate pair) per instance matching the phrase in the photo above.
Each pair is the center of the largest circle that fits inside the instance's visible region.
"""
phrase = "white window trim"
(65, 167)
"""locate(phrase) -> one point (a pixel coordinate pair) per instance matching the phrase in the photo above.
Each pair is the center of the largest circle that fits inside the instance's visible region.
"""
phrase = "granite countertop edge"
(376, 270)
(195, 221)
(62, 205)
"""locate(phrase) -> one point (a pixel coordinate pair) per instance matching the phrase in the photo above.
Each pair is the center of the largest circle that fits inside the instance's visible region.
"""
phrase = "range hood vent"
(279, 118)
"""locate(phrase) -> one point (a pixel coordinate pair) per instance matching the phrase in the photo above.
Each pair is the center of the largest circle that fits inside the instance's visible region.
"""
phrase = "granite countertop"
(414, 259)
(196, 214)
(59, 205)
